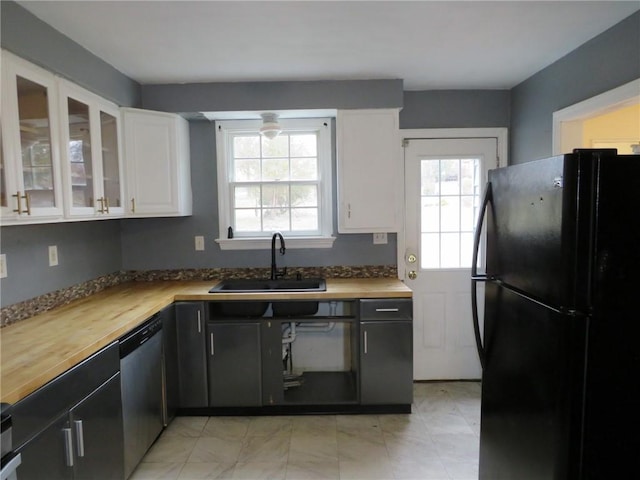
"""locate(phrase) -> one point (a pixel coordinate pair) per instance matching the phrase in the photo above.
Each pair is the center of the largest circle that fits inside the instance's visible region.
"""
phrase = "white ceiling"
(428, 44)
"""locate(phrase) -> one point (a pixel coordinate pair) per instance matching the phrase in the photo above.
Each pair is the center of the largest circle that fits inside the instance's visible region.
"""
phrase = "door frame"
(499, 133)
(567, 122)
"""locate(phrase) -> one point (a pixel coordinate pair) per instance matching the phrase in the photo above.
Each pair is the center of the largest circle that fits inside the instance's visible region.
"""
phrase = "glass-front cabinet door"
(31, 181)
(91, 160)
(111, 159)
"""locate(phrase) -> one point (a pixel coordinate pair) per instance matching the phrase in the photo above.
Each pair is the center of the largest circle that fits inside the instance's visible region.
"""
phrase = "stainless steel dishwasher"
(141, 381)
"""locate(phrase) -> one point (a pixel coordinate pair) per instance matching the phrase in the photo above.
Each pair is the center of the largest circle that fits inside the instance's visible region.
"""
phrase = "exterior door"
(444, 180)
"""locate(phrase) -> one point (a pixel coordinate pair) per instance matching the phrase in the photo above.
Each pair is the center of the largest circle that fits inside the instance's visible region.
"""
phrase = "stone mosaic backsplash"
(29, 308)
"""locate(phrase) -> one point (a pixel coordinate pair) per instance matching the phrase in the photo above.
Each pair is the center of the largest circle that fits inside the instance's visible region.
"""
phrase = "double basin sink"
(246, 285)
(286, 308)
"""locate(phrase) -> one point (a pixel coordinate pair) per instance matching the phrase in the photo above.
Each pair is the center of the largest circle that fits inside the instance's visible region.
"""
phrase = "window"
(268, 185)
(450, 195)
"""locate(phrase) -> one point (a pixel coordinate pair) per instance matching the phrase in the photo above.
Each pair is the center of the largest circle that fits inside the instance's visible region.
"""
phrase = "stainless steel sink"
(246, 285)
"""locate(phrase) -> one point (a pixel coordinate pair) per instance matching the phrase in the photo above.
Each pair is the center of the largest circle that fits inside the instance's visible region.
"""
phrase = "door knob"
(412, 274)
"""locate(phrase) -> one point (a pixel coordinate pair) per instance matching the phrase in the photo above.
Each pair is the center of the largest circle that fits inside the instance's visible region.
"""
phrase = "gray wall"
(261, 96)
(455, 109)
(86, 249)
(605, 62)
(30, 38)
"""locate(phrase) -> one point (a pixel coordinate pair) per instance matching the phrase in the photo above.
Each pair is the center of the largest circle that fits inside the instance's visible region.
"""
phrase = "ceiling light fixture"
(270, 126)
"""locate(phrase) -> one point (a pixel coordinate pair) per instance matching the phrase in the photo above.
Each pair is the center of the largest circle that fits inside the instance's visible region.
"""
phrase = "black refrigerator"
(560, 345)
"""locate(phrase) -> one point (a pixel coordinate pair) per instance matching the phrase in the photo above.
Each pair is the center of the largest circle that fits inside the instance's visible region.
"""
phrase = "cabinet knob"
(412, 274)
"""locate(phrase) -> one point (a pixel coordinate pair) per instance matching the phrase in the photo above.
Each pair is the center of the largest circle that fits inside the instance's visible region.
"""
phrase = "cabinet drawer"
(386, 309)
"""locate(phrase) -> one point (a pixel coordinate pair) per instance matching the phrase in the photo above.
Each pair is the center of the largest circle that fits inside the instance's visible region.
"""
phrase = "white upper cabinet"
(369, 163)
(30, 165)
(157, 164)
(91, 154)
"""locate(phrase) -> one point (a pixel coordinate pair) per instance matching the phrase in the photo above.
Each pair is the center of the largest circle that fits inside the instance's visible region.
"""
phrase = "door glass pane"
(430, 250)
(35, 141)
(110, 159)
(80, 154)
(449, 207)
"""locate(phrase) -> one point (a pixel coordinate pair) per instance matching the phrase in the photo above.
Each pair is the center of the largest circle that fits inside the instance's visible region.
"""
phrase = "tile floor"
(438, 441)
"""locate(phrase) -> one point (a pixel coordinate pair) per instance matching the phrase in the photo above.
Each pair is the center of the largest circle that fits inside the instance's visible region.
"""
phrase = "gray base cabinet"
(192, 358)
(46, 455)
(83, 444)
(386, 352)
(97, 415)
(234, 364)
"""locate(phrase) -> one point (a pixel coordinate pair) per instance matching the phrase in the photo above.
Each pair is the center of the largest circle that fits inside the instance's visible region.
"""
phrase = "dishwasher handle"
(10, 462)
(139, 335)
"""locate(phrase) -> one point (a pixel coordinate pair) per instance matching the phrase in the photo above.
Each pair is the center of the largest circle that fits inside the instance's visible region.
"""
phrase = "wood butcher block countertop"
(36, 350)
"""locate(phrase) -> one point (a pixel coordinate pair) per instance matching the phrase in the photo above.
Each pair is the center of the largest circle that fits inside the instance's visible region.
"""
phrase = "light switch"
(379, 238)
(53, 255)
(199, 242)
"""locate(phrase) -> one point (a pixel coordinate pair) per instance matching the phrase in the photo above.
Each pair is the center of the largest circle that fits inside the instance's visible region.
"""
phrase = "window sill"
(265, 243)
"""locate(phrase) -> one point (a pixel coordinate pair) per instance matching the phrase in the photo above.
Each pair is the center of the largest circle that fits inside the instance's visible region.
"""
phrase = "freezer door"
(531, 389)
(539, 229)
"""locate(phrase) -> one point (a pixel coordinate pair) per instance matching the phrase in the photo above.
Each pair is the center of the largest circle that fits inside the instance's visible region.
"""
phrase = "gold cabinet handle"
(101, 209)
(133, 205)
(18, 198)
(27, 202)
(106, 202)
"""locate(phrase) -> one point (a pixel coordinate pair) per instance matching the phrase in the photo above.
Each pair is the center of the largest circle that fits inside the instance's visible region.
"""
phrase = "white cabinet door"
(369, 166)
(31, 180)
(91, 154)
(157, 164)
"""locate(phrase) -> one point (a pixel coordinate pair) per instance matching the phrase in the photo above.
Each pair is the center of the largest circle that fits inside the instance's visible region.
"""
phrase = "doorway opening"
(609, 120)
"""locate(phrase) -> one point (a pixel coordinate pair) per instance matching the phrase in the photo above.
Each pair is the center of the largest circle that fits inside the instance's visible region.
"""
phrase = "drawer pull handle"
(199, 323)
(387, 309)
(366, 343)
(212, 348)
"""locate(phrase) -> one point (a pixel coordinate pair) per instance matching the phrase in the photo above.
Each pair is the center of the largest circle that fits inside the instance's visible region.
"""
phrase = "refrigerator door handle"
(475, 277)
(486, 199)
(476, 321)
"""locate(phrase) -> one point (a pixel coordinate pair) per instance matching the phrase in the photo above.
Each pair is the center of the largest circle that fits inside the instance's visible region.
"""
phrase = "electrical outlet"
(3, 265)
(199, 242)
(53, 255)
(379, 238)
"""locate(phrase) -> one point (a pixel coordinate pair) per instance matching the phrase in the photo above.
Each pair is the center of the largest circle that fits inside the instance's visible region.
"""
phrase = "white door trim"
(619, 97)
(501, 133)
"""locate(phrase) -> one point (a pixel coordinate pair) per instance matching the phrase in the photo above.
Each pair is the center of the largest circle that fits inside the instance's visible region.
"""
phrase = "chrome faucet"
(275, 273)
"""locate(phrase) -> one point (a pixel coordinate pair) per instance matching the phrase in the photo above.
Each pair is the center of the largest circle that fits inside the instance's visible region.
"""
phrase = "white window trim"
(326, 238)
